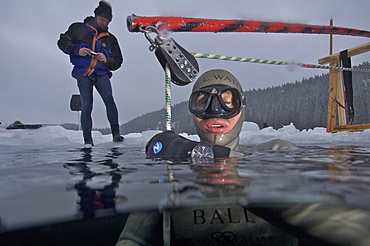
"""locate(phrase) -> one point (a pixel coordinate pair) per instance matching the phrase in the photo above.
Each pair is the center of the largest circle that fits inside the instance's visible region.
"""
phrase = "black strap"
(221, 151)
(347, 79)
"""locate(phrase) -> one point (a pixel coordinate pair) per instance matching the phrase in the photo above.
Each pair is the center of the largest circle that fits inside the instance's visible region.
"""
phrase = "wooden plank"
(351, 52)
(331, 119)
(336, 92)
(357, 127)
(331, 39)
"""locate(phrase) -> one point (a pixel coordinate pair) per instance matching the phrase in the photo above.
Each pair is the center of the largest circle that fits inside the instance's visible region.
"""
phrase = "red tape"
(183, 24)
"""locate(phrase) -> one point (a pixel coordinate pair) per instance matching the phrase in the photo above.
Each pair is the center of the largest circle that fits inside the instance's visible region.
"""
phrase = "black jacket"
(87, 35)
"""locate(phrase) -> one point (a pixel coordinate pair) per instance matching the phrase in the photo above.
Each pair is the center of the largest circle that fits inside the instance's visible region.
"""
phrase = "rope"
(168, 98)
(253, 60)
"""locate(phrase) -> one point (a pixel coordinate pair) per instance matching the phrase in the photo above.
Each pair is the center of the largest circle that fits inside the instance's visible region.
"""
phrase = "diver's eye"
(201, 101)
(228, 98)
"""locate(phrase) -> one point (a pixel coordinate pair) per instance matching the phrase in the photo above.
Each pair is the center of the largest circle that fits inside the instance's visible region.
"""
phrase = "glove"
(168, 145)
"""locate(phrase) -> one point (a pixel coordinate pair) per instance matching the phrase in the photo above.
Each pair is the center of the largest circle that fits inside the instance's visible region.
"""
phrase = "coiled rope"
(254, 60)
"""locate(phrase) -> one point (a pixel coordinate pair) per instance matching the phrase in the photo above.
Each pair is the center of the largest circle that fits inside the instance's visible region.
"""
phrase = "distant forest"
(303, 103)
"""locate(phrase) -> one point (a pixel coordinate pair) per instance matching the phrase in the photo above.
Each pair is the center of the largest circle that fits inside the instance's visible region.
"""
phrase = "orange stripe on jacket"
(94, 59)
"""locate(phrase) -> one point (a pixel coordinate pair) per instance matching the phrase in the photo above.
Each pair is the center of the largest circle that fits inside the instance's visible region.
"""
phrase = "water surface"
(49, 186)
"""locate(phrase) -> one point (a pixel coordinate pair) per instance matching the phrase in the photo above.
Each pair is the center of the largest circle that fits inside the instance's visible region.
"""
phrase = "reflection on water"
(98, 182)
(102, 196)
(339, 173)
(220, 179)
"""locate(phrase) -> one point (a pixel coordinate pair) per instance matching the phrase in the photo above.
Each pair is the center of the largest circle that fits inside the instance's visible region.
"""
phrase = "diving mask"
(216, 101)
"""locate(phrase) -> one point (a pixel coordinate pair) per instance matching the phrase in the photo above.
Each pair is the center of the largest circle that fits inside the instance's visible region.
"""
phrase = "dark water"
(312, 189)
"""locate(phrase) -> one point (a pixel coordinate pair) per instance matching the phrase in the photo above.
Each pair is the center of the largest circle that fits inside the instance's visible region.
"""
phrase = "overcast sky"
(36, 82)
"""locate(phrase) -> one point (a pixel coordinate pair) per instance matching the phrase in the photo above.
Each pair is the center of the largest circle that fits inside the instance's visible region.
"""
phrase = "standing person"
(94, 52)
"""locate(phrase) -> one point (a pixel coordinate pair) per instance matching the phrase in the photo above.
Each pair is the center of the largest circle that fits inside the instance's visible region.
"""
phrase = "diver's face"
(216, 126)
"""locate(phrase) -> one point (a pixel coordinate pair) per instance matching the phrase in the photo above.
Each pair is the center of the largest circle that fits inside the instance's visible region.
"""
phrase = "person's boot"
(88, 139)
(89, 142)
(115, 132)
(118, 138)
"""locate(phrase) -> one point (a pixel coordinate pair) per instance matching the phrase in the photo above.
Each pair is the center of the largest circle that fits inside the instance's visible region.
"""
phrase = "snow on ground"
(54, 136)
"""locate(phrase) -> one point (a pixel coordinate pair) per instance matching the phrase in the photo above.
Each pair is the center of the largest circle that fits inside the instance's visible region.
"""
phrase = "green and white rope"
(253, 60)
(168, 98)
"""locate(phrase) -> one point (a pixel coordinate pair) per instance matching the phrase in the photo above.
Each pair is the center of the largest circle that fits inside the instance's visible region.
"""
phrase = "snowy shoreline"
(56, 136)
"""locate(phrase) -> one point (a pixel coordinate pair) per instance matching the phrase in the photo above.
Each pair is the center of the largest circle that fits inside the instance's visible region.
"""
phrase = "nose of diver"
(215, 105)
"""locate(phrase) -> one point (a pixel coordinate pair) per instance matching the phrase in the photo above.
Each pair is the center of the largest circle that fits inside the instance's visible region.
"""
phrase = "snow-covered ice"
(54, 136)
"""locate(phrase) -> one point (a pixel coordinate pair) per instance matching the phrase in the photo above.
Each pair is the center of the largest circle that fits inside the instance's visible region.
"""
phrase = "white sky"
(36, 83)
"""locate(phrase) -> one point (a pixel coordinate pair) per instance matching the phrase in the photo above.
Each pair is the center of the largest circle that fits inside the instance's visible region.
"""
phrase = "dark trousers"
(104, 88)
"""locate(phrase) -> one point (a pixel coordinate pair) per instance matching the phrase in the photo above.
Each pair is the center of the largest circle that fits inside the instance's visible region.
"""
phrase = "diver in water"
(216, 103)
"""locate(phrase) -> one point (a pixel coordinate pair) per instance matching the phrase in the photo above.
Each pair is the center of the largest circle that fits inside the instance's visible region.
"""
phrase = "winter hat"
(104, 10)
